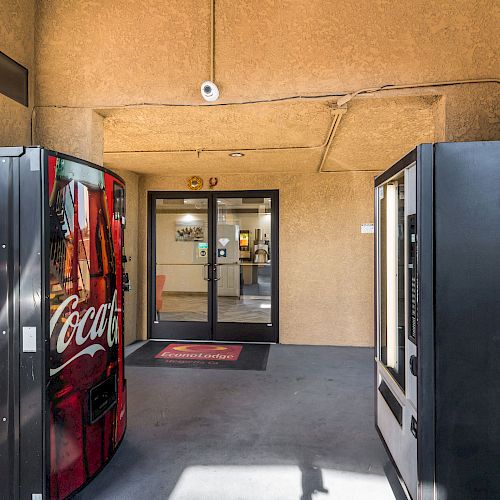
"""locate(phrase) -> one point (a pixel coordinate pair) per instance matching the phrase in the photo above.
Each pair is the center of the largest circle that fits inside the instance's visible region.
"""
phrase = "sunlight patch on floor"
(278, 482)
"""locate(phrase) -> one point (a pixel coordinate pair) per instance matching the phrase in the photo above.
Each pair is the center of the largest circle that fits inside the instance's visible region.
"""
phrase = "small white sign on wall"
(367, 228)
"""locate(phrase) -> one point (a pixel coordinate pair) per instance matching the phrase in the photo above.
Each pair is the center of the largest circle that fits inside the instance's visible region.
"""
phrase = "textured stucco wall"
(94, 56)
(112, 53)
(78, 132)
(131, 242)
(17, 41)
(326, 264)
(473, 113)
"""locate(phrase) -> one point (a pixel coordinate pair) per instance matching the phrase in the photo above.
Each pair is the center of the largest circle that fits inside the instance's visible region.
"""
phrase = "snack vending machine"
(437, 328)
(62, 385)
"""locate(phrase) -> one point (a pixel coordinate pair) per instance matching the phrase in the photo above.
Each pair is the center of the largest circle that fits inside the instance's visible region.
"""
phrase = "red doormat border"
(175, 354)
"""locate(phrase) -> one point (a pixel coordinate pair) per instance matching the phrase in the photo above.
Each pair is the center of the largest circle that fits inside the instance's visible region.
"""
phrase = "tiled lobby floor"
(193, 307)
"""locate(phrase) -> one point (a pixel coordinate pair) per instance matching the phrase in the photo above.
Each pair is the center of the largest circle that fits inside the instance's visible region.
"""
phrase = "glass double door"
(213, 266)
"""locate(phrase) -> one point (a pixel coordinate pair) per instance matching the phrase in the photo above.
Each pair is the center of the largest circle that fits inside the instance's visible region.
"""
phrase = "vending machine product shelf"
(437, 328)
(62, 385)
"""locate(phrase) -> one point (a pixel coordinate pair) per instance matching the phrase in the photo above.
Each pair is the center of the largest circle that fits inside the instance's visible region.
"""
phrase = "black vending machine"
(437, 328)
(62, 385)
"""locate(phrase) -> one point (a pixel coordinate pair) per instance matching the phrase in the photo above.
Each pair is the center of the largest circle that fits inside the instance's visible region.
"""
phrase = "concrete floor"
(301, 430)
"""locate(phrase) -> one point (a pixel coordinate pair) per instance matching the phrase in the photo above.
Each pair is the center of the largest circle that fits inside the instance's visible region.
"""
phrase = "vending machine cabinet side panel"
(9, 457)
(467, 305)
(32, 351)
(425, 321)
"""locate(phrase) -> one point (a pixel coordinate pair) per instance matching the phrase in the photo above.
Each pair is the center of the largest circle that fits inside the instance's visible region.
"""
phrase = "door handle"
(205, 272)
(216, 273)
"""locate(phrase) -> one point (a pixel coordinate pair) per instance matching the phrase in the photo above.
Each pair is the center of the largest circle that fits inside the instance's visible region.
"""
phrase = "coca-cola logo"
(74, 330)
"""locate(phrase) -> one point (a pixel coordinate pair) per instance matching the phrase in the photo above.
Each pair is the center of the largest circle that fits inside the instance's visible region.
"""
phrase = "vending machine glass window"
(391, 284)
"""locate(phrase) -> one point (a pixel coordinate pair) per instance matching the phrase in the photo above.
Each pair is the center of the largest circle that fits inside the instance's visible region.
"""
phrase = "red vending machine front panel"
(86, 393)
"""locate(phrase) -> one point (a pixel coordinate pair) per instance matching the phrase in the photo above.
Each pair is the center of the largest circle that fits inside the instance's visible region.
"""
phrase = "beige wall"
(181, 277)
(17, 18)
(98, 73)
(78, 132)
(326, 264)
(131, 242)
(109, 53)
(175, 258)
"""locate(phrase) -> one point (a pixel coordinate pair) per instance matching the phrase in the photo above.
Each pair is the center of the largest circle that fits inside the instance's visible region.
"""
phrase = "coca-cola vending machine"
(62, 385)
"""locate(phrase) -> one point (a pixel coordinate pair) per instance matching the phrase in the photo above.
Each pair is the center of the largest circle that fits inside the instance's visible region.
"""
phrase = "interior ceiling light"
(236, 154)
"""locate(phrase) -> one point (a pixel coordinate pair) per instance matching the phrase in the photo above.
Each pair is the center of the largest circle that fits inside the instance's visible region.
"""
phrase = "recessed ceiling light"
(236, 155)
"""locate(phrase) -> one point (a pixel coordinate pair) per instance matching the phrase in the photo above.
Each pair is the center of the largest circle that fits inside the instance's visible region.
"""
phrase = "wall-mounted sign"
(195, 183)
(13, 79)
(222, 252)
(202, 249)
(367, 228)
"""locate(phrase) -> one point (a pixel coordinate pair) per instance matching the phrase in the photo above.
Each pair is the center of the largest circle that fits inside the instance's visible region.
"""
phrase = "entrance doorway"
(213, 266)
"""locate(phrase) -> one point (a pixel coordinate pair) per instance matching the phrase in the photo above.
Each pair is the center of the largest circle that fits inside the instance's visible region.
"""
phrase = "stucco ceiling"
(274, 137)
(140, 65)
(252, 126)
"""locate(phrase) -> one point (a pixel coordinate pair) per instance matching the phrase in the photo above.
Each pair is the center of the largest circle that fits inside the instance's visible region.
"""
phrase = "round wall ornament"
(195, 183)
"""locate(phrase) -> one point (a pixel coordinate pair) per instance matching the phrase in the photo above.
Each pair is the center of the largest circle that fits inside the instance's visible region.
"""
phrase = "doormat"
(201, 355)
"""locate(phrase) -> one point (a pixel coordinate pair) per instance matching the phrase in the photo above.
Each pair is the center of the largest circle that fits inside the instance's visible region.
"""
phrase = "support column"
(472, 112)
(75, 131)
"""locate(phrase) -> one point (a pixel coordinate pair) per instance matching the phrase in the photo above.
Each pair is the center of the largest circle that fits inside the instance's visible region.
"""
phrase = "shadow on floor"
(312, 482)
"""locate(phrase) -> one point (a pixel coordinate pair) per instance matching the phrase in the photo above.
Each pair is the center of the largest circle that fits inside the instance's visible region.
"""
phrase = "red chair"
(160, 284)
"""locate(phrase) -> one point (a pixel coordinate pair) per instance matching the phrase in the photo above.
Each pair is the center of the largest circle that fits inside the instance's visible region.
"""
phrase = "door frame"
(217, 332)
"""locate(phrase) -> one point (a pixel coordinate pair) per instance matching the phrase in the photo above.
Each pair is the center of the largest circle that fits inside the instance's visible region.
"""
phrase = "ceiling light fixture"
(236, 154)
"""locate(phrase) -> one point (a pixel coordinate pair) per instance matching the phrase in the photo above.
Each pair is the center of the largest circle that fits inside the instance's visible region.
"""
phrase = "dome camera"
(209, 91)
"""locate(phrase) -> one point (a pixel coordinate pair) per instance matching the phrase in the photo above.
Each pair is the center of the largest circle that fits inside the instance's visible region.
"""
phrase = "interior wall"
(174, 258)
(17, 23)
(183, 276)
(326, 264)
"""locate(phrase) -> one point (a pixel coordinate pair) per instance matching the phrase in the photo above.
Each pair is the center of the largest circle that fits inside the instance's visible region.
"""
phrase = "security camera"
(209, 91)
